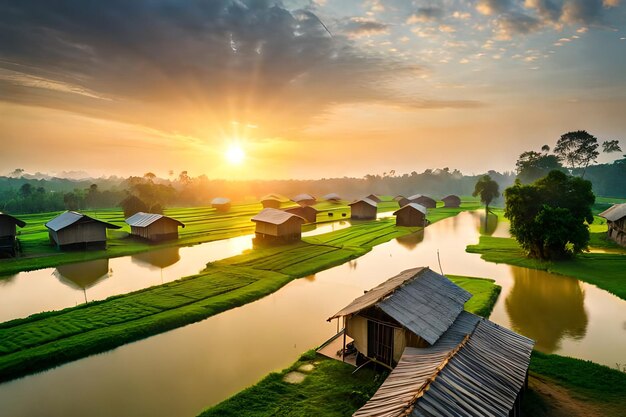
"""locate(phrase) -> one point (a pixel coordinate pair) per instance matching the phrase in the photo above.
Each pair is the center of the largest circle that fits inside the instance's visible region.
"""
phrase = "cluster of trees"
(574, 152)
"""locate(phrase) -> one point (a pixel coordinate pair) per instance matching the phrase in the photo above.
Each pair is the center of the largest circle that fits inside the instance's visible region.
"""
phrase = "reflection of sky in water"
(204, 363)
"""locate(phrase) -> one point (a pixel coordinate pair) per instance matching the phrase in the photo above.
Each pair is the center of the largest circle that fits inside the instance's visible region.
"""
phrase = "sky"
(303, 89)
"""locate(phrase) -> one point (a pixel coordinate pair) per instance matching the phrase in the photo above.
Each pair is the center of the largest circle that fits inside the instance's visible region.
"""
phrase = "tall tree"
(532, 165)
(578, 148)
(548, 217)
(609, 146)
(488, 190)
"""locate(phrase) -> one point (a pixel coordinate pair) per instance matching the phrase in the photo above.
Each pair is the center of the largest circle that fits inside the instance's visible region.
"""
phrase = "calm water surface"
(180, 372)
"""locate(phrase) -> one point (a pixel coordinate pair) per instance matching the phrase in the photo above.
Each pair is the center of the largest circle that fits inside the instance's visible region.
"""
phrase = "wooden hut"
(277, 226)
(221, 204)
(332, 197)
(415, 322)
(616, 221)
(153, 227)
(72, 230)
(363, 209)
(8, 231)
(304, 199)
(411, 215)
(272, 201)
(422, 200)
(308, 213)
(374, 197)
(452, 201)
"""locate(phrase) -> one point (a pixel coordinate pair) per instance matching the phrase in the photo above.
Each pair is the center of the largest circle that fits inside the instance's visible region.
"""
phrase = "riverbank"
(49, 339)
(329, 387)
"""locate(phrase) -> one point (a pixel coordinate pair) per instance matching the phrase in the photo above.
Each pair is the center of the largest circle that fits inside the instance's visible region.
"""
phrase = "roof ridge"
(437, 371)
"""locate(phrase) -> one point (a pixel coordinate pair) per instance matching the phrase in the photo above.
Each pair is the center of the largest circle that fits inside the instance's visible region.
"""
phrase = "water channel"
(180, 372)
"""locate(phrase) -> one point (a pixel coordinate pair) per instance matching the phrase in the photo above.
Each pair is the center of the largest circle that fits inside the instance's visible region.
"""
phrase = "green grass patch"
(330, 389)
(605, 270)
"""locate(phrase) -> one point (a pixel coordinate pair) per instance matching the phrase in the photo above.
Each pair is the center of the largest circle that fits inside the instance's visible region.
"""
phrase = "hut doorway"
(380, 342)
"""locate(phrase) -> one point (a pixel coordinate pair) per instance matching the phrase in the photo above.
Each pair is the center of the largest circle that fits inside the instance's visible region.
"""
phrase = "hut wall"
(308, 202)
(617, 231)
(411, 218)
(291, 229)
(80, 233)
(452, 202)
(267, 229)
(356, 328)
(271, 204)
(362, 211)
(308, 213)
(426, 202)
(403, 201)
(7, 227)
(221, 207)
(163, 229)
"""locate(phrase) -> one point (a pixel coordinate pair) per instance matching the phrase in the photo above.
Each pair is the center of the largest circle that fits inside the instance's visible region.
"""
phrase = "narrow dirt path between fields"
(560, 401)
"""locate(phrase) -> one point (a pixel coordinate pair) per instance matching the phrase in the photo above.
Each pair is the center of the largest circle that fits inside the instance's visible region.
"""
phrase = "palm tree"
(488, 189)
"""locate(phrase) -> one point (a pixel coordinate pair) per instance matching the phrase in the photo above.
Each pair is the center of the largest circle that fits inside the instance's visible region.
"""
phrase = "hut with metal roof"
(412, 215)
(8, 231)
(73, 230)
(452, 201)
(413, 309)
(616, 221)
(154, 227)
(421, 200)
(277, 226)
(374, 197)
(308, 213)
(272, 201)
(363, 209)
(304, 199)
(332, 197)
(221, 204)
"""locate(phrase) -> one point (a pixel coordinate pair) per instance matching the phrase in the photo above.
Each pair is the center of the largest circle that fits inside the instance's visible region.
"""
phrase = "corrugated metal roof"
(20, 223)
(451, 197)
(142, 219)
(274, 216)
(614, 213)
(302, 197)
(413, 206)
(420, 299)
(374, 197)
(415, 197)
(476, 368)
(68, 218)
(220, 200)
(365, 200)
(332, 196)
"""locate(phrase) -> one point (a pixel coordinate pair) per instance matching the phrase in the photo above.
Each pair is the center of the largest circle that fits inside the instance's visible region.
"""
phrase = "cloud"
(491, 7)
(514, 23)
(357, 27)
(426, 14)
(188, 66)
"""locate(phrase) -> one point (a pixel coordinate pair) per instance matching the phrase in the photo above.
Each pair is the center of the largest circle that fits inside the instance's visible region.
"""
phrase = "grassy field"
(330, 389)
(48, 339)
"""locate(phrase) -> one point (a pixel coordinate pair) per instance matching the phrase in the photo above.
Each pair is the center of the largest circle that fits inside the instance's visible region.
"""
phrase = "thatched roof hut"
(304, 199)
(273, 201)
(452, 201)
(308, 213)
(374, 197)
(423, 200)
(363, 209)
(616, 221)
(332, 197)
(412, 215)
(154, 227)
(221, 204)
(274, 225)
(8, 231)
(72, 230)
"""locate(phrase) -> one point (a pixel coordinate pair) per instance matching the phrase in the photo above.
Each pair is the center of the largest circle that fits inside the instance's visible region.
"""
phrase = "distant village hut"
(415, 323)
(423, 200)
(616, 221)
(374, 197)
(452, 201)
(221, 204)
(364, 209)
(304, 199)
(332, 197)
(8, 231)
(72, 230)
(154, 227)
(308, 213)
(412, 215)
(271, 201)
(277, 226)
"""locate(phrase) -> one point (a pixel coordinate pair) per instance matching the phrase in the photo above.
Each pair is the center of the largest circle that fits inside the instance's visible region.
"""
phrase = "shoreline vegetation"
(49, 339)
(330, 388)
(603, 266)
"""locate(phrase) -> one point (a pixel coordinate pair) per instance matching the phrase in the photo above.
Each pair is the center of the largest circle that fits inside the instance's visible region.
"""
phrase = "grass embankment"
(330, 388)
(51, 338)
(596, 386)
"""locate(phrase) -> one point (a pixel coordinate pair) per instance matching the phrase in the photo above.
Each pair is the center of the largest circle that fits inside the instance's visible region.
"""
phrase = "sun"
(235, 154)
